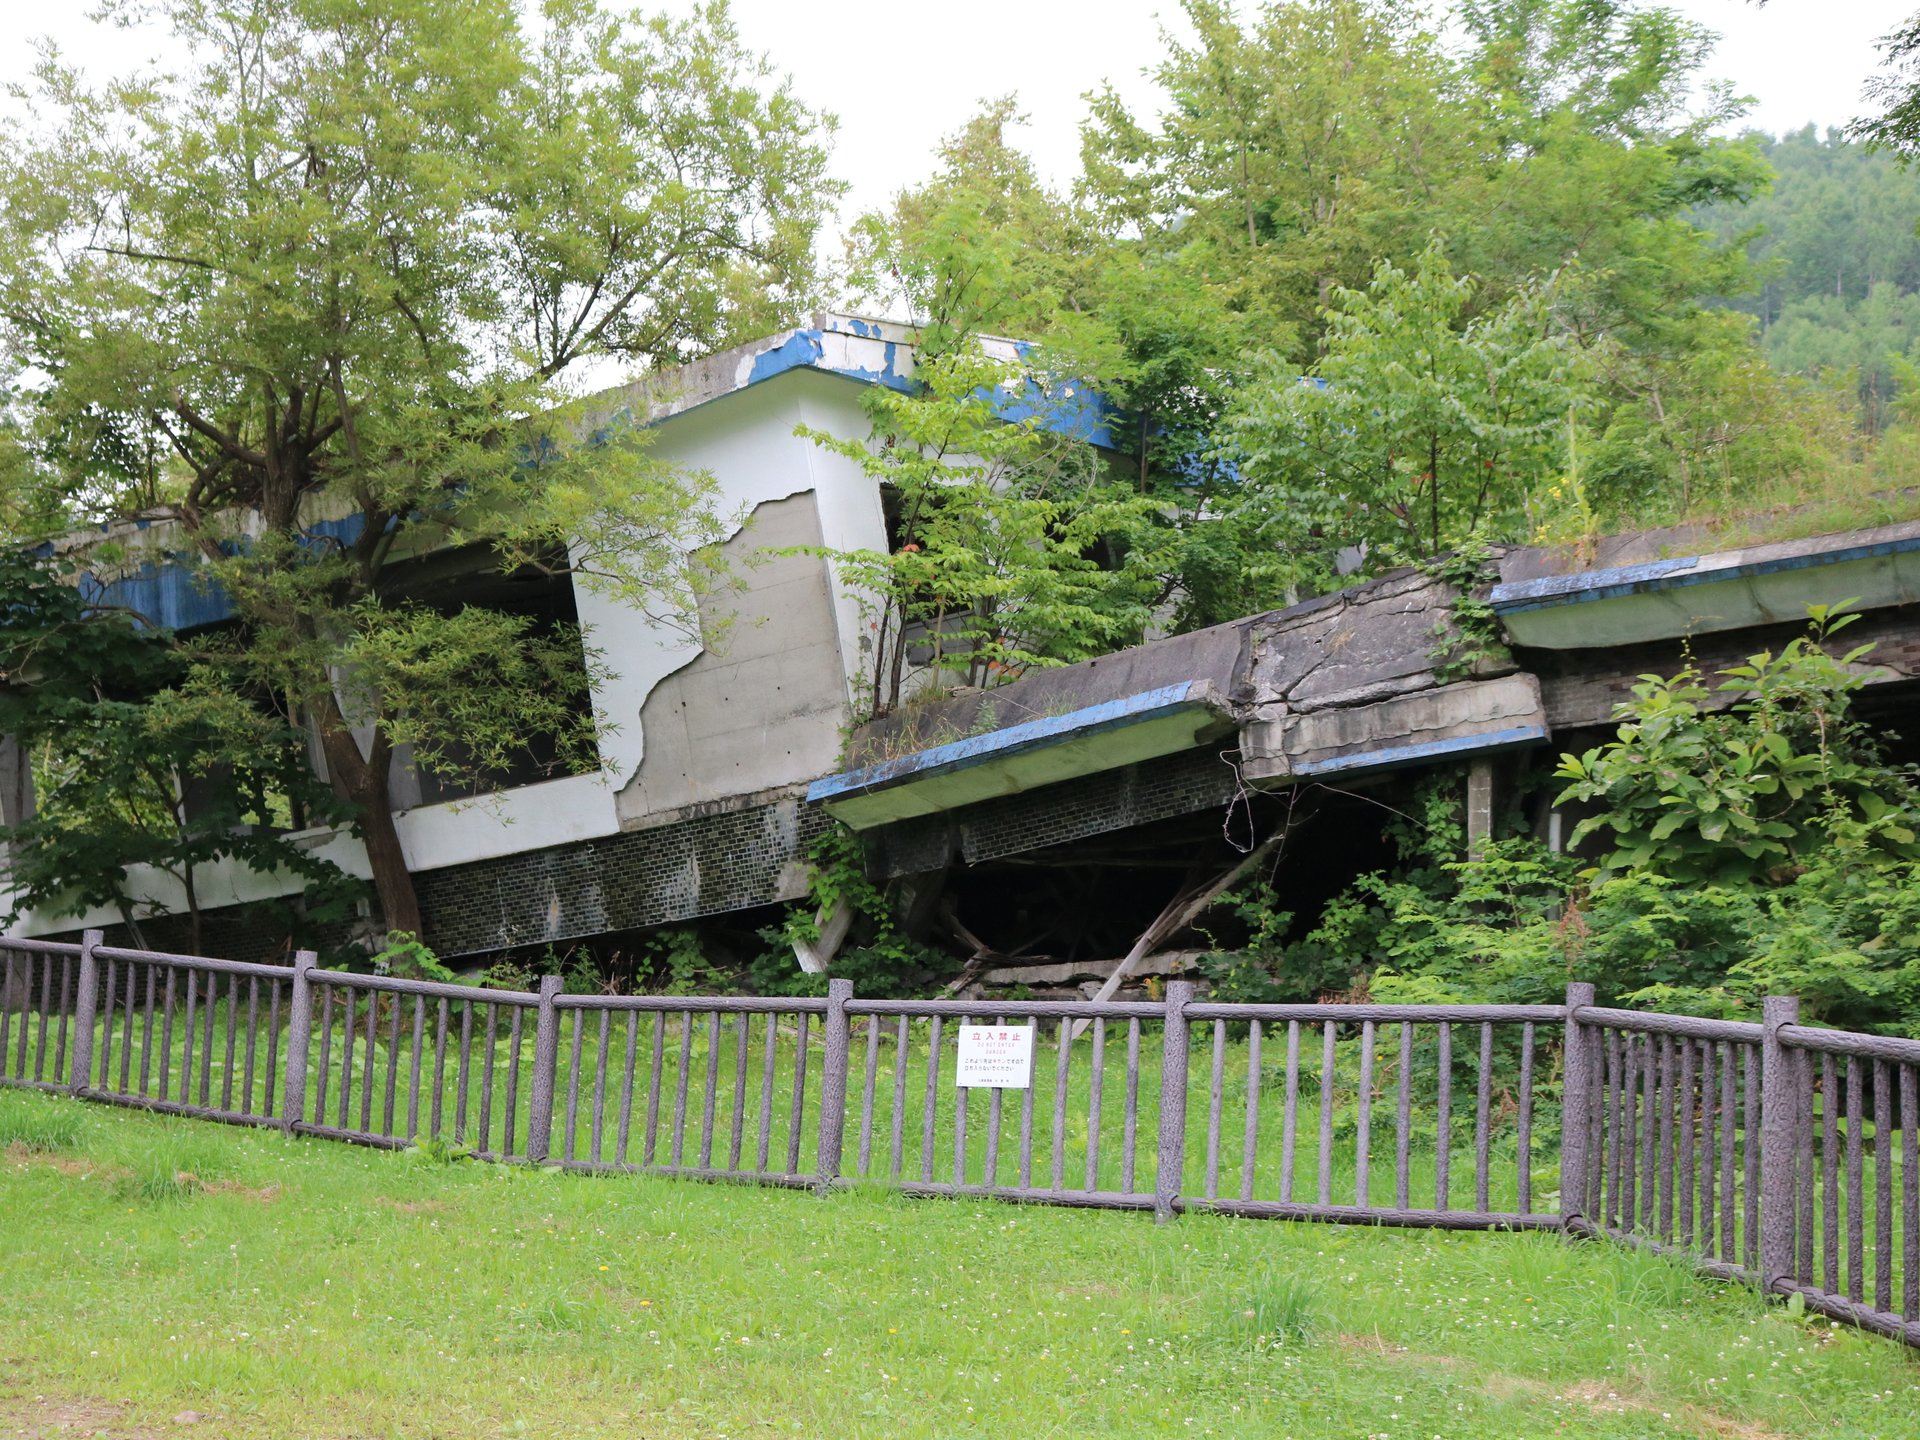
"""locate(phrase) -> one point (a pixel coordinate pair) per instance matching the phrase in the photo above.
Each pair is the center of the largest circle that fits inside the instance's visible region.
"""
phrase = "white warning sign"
(995, 1057)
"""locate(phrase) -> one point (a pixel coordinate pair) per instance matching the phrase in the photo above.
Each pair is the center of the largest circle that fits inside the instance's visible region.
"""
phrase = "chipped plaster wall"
(766, 706)
(746, 442)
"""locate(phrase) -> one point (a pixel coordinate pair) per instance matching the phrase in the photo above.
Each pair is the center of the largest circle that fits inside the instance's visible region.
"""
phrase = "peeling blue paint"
(176, 593)
(1388, 757)
(1015, 739)
(1675, 574)
(803, 348)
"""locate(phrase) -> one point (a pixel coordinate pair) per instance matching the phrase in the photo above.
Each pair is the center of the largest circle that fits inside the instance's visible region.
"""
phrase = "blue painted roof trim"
(1015, 739)
(1394, 755)
(173, 595)
(1523, 595)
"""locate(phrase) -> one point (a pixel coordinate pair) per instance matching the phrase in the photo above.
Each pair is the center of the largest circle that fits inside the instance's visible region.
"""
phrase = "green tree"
(316, 299)
(1013, 547)
(1418, 431)
(143, 764)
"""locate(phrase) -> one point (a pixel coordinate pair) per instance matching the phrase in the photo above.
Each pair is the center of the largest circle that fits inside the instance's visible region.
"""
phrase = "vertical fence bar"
(1060, 1106)
(897, 1135)
(768, 1052)
(1882, 1187)
(1830, 1176)
(1130, 1137)
(1483, 1100)
(1026, 1120)
(1216, 1086)
(1443, 1121)
(1402, 1125)
(146, 1040)
(514, 1029)
(1634, 1151)
(80, 1053)
(1524, 1141)
(625, 1131)
(443, 1021)
(413, 1066)
(1363, 1126)
(393, 1064)
(1910, 1192)
(570, 1126)
(833, 1084)
(650, 1146)
(253, 1035)
(1693, 1083)
(546, 1065)
(742, 1055)
(206, 1050)
(1324, 1177)
(293, 1090)
(367, 1071)
(1649, 1137)
(708, 1093)
(1854, 1183)
(109, 981)
(1096, 1078)
(486, 1076)
(1667, 1102)
(1250, 1135)
(961, 1095)
(1728, 1099)
(233, 1025)
(798, 1114)
(1750, 1102)
(596, 1135)
(1777, 1113)
(1173, 1101)
(872, 1072)
(933, 1090)
(1289, 1114)
(6, 1006)
(678, 1146)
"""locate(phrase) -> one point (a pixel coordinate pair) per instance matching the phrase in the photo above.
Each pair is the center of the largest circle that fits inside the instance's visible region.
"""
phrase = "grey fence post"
(546, 1071)
(80, 1053)
(1779, 1145)
(833, 1083)
(1576, 1106)
(1173, 1102)
(293, 1088)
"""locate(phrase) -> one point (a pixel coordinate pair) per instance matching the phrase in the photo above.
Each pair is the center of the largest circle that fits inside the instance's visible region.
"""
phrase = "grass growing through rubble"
(164, 1277)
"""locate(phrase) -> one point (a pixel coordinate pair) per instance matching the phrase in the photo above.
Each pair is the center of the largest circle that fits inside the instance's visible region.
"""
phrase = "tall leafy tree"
(1419, 430)
(313, 301)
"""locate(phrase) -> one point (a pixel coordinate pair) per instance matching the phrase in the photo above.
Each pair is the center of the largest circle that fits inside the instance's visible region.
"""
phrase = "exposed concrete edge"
(1586, 587)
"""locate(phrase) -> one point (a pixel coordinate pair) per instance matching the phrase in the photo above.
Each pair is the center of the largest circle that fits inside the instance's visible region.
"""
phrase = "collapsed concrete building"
(1060, 832)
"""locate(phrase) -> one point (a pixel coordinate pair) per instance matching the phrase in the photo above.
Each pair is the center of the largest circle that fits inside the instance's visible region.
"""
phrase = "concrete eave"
(1698, 594)
(1022, 757)
(1470, 717)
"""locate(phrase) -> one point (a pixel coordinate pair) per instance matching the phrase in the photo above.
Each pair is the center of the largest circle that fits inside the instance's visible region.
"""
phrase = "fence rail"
(1773, 1153)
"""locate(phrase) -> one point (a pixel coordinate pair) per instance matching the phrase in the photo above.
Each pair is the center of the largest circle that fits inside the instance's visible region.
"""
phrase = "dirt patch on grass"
(37, 1417)
(264, 1194)
(80, 1169)
(411, 1207)
(1608, 1399)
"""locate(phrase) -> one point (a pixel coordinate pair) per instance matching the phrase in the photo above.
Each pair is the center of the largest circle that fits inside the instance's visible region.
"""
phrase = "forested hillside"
(1837, 259)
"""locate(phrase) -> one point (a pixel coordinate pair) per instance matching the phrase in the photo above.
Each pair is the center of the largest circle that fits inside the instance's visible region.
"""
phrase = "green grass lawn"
(153, 1271)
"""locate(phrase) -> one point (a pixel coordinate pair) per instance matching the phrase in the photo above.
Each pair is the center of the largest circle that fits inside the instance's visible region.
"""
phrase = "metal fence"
(1773, 1153)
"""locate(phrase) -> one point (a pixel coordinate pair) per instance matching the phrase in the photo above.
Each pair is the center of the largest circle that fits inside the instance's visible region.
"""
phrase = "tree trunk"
(362, 779)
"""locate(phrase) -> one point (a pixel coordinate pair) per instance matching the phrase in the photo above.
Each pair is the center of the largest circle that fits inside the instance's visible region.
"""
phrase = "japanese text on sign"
(995, 1057)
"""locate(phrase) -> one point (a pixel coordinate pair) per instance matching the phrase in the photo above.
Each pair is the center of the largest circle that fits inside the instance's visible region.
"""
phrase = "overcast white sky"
(901, 76)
